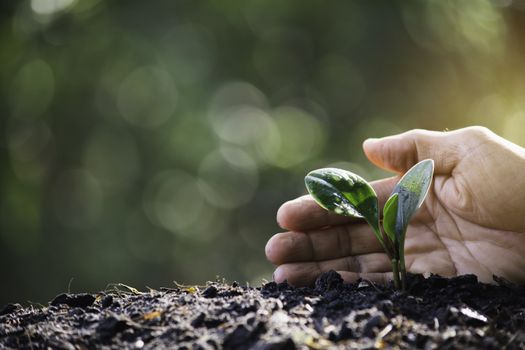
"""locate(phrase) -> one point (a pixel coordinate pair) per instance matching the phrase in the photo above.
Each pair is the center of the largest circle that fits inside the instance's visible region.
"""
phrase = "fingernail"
(371, 140)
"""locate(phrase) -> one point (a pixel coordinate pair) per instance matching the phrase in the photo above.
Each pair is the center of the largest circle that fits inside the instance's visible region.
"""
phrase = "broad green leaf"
(412, 190)
(344, 193)
(389, 217)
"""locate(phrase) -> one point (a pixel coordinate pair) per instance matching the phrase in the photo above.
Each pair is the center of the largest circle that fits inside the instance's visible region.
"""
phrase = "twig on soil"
(383, 333)
(33, 303)
(510, 340)
(29, 339)
(373, 285)
(186, 286)
(151, 290)
(69, 285)
(115, 288)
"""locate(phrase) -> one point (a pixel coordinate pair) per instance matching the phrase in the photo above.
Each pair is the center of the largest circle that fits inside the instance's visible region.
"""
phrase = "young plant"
(346, 193)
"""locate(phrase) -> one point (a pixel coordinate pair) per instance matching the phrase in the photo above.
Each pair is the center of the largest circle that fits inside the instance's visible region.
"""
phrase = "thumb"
(400, 152)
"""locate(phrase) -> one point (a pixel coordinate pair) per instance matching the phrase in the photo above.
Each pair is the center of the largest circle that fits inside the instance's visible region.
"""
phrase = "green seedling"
(346, 193)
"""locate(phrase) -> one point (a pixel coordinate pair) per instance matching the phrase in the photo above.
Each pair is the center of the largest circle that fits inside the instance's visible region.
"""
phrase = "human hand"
(473, 220)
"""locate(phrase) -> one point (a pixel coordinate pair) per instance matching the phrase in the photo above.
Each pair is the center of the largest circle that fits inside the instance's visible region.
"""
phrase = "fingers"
(304, 213)
(375, 267)
(376, 277)
(384, 189)
(334, 242)
(400, 152)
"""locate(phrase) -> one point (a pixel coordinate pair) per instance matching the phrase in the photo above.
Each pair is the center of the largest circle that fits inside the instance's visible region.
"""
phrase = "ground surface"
(436, 312)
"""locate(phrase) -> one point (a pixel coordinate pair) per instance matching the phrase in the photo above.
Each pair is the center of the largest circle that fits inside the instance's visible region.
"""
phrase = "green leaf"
(344, 193)
(389, 217)
(412, 190)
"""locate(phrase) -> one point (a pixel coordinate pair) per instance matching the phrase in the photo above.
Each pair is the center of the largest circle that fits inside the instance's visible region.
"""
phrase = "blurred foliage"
(145, 142)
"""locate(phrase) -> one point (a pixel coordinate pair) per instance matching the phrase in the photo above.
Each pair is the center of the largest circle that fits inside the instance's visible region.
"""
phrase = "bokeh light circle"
(298, 136)
(147, 97)
(243, 125)
(173, 201)
(77, 199)
(228, 178)
(112, 156)
(33, 89)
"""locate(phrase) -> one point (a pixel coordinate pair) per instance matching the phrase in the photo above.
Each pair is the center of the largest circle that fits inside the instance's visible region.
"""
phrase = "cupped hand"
(473, 220)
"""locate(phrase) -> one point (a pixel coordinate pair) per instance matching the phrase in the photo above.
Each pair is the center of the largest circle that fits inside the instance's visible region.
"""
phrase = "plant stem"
(403, 271)
(379, 234)
(395, 270)
(380, 237)
(401, 254)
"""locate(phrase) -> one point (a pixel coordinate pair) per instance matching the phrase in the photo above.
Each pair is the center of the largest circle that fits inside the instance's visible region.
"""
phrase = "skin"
(472, 221)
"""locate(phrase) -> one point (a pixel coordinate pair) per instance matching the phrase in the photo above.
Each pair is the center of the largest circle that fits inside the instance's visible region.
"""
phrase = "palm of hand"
(454, 233)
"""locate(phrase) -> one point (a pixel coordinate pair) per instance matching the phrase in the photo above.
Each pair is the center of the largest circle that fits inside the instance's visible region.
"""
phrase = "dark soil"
(436, 312)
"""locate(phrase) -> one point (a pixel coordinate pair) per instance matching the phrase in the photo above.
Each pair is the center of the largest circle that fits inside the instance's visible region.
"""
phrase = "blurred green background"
(149, 141)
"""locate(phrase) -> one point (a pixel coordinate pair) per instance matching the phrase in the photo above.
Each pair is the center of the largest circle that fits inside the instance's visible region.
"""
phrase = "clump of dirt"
(434, 313)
